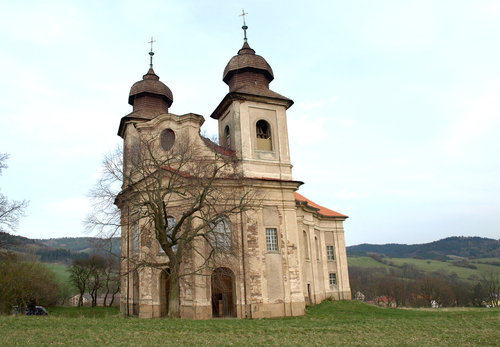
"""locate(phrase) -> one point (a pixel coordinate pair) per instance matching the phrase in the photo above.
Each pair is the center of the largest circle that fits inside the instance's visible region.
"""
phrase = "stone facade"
(291, 251)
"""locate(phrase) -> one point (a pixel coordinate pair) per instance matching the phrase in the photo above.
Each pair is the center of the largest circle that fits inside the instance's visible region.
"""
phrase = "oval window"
(167, 139)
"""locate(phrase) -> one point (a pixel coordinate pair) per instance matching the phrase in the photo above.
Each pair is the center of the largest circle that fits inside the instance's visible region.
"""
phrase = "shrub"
(21, 282)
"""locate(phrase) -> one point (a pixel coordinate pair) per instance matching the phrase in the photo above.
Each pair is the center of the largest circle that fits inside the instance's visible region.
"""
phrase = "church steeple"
(247, 70)
(150, 97)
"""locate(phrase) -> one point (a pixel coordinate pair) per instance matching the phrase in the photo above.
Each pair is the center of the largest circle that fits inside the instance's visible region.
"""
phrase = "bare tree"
(111, 279)
(431, 288)
(10, 211)
(97, 269)
(80, 276)
(197, 183)
(491, 283)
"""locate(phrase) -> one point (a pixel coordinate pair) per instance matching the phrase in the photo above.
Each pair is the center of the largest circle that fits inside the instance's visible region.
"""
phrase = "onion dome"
(247, 68)
(150, 95)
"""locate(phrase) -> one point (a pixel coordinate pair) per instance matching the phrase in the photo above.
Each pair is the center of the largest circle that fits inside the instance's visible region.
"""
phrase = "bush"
(21, 282)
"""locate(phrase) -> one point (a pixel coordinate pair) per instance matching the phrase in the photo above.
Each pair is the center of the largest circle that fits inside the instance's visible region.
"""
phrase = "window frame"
(330, 256)
(169, 228)
(227, 136)
(305, 237)
(272, 240)
(221, 237)
(332, 279)
(136, 236)
(167, 139)
(269, 135)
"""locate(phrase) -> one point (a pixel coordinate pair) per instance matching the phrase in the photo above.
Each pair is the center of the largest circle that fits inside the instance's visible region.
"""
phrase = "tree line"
(96, 275)
(410, 287)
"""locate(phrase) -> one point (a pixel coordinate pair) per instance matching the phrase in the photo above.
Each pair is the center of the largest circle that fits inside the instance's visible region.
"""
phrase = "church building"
(291, 251)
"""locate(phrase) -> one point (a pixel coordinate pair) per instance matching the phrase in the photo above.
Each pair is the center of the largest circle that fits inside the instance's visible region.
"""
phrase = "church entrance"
(222, 293)
(164, 292)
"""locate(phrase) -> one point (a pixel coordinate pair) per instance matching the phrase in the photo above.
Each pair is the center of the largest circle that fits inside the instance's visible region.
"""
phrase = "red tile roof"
(321, 210)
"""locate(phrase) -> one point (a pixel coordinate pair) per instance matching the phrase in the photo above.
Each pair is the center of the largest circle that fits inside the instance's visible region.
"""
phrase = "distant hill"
(57, 250)
(445, 249)
(82, 244)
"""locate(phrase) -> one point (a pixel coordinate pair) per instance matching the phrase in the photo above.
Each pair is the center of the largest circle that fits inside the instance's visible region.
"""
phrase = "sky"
(396, 119)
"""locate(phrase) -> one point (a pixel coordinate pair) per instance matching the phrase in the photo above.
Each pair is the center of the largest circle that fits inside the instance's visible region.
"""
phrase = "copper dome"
(150, 85)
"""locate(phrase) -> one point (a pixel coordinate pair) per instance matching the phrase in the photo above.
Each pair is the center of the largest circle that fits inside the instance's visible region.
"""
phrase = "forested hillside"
(445, 249)
(59, 250)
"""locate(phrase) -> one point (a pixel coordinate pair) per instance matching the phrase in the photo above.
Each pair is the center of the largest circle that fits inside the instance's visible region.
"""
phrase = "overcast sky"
(396, 118)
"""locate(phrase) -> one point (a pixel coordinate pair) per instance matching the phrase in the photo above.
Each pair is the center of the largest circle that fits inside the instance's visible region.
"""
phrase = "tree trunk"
(174, 296)
(106, 296)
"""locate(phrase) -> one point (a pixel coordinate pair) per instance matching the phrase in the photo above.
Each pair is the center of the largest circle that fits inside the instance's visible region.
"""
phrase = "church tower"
(149, 98)
(252, 118)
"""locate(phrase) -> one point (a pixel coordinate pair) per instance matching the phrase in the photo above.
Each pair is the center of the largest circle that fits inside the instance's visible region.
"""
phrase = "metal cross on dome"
(244, 27)
(151, 53)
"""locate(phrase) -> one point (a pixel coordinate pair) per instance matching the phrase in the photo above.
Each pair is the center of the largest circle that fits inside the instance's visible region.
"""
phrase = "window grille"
(329, 252)
(272, 239)
(333, 279)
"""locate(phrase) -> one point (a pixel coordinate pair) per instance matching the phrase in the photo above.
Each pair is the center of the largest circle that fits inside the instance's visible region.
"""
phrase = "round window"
(167, 139)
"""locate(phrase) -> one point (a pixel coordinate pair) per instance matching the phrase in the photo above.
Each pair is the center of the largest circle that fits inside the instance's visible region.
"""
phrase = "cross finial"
(244, 27)
(151, 53)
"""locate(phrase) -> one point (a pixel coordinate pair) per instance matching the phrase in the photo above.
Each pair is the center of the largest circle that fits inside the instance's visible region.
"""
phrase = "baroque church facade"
(291, 250)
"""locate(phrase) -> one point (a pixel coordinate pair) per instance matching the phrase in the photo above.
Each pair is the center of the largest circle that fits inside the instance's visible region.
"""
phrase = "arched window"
(264, 141)
(317, 247)
(306, 245)
(135, 151)
(220, 237)
(136, 238)
(167, 139)
(227, 136)
(170, 225)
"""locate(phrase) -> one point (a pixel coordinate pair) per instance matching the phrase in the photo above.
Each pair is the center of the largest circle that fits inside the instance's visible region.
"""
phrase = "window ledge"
(273, 252)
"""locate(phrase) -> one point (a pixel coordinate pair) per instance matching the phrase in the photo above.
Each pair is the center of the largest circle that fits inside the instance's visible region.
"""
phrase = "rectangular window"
(136, 238)
(272, 239)
(333, 279)
(329, 252)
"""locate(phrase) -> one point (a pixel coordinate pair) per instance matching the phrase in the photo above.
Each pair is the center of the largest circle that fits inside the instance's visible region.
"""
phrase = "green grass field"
(62, 276)
(341, 323)
(430, 266)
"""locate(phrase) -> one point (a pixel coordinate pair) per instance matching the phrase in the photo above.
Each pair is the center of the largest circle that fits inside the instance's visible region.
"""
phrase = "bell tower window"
(264, 142)
(227, 136)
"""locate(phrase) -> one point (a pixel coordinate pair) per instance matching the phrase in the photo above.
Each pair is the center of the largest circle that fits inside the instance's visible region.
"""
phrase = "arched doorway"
(223, 304)
(135, 294)
(164, 292)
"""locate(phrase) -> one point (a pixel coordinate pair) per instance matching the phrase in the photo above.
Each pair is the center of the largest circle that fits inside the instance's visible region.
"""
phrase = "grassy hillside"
(339, 323)
(431, 266)
(62, 277)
